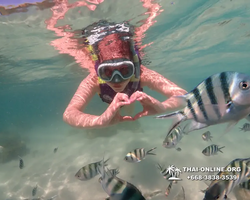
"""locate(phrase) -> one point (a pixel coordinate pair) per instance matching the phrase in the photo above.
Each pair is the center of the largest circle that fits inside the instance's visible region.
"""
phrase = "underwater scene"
(124, 100)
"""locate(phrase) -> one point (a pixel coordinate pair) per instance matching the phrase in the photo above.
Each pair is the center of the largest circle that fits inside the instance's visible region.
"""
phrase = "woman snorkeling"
(119, 79)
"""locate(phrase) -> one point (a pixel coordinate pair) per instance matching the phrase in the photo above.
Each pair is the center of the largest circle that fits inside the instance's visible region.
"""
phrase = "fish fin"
(160, 167)
(180, 101)
(149, 151)
(194, 125)
(177, 117)
(101, 168)
(105, 162)
(221, 148)
(181, 194)
(178, 114)
(183, 191)
(204, 191)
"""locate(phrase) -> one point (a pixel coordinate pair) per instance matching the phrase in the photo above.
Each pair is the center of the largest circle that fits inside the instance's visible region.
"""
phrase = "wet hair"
(98, 30)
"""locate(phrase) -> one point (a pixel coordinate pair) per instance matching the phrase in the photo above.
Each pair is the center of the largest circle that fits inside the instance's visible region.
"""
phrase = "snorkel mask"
(116, 53)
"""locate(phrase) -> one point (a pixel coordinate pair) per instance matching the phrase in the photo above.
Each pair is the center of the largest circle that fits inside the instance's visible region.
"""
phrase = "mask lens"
(108, 72)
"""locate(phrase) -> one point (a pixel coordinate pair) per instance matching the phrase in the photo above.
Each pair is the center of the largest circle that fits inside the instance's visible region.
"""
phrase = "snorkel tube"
(136, 62)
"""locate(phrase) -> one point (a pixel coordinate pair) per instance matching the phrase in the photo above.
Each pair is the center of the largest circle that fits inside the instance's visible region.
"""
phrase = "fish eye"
(217, 197)
(244, 85)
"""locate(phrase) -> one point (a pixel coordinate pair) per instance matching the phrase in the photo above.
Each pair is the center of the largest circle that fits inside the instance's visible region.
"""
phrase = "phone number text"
(212, 177)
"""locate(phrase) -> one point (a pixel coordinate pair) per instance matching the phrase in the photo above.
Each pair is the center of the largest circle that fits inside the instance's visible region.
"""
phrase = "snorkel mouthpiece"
(117, 79)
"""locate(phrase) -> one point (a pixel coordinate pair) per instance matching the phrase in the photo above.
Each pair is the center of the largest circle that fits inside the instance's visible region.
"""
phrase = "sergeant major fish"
(212, 150)
(89, 171)
(245, 185)
(116, 188)
(138, 155)
(207, 136)
(222, 97)
(219, 189)
(173, 138)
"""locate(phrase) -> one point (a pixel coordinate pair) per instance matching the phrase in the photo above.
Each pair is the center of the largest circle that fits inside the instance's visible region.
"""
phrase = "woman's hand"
(150, 105)
(112, 115)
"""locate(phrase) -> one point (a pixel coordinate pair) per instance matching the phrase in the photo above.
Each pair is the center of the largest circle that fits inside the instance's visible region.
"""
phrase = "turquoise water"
(191, 41)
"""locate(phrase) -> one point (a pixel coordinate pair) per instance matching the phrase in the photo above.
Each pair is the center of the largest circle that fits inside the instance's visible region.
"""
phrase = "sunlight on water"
(42, 63)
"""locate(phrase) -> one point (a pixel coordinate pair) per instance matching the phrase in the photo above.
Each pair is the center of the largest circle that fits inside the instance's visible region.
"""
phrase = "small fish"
(34, 191)
(167, 192)
(21, 163)
(221, 98)
(246, 127)
(220, 189)
(212, 150)
(173, 138)
(178, 149)
(207, 136)
(138, 155)
(55, 149)
(89, 171)
(166, 172)
(116, 188)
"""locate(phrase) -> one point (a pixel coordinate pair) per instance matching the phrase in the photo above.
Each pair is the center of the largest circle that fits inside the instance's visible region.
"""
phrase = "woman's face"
(118, 87)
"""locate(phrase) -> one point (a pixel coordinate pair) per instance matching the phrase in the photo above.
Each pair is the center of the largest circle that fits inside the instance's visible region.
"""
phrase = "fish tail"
(178, 117)
(221, 148)
(149, 151)
(159, 166)
(105, 162)
(101, 169)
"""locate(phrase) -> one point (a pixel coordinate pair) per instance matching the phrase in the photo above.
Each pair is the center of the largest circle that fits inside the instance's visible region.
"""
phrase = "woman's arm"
(159, 83)
(73, 114)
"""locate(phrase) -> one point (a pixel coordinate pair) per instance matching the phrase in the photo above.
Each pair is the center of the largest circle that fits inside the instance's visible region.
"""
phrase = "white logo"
(174, 172)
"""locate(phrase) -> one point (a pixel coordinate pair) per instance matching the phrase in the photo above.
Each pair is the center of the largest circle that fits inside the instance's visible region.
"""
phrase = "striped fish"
(212, 150)
(89, 171)
(167, 192)
(246, 127)
(221, 98)
(113, 172)
(138, 155)
(173, 138)
(219, 189)
(116, 188)
(165, 172)
(245, 185)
